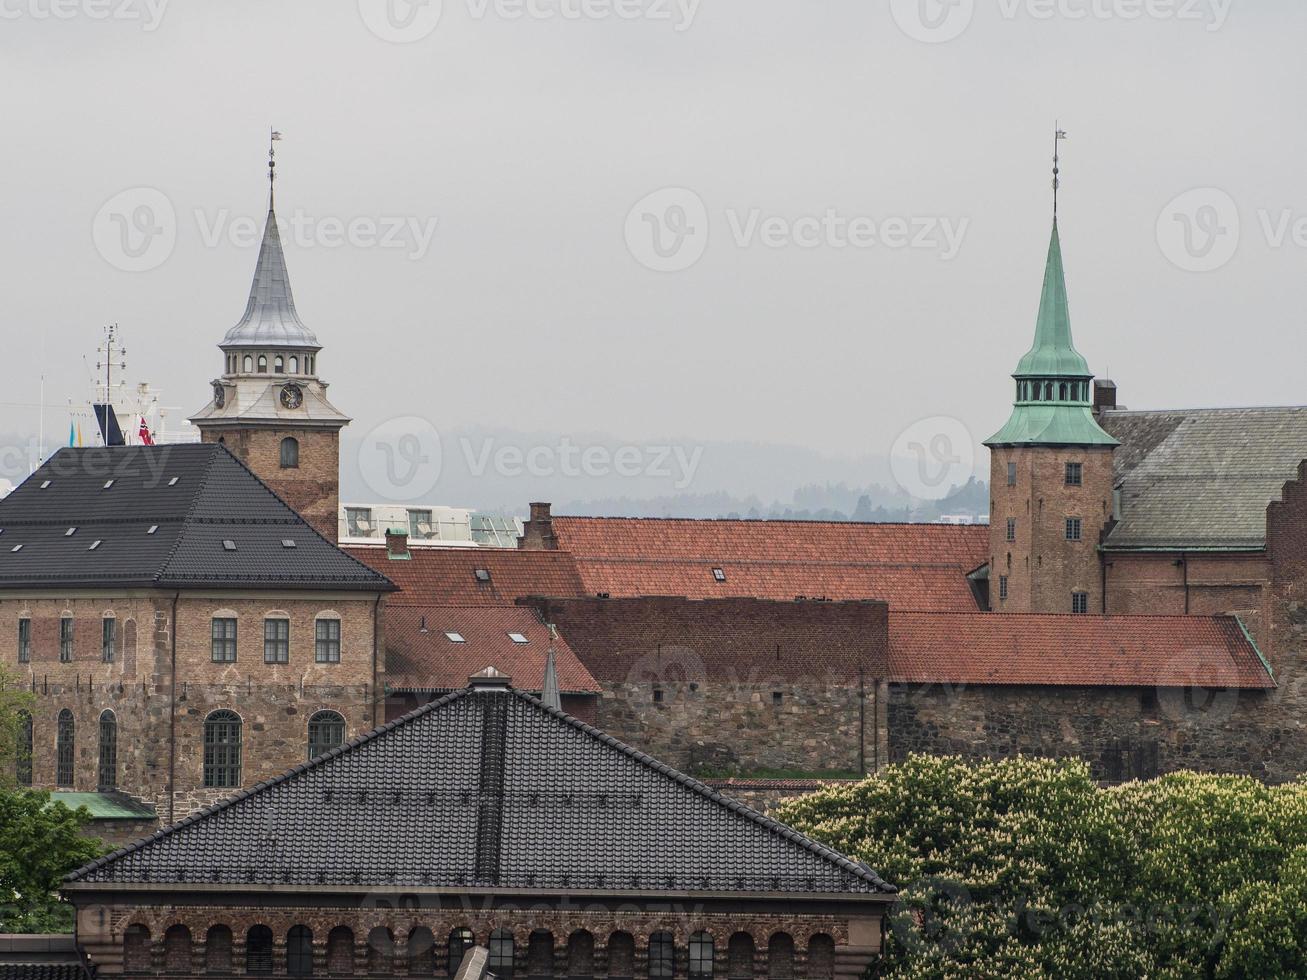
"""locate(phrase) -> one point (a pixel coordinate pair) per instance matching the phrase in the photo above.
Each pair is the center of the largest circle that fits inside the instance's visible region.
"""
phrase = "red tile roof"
(911, 566)
(448, 575)
(1091, 651)
(747, 641)
(417, 661)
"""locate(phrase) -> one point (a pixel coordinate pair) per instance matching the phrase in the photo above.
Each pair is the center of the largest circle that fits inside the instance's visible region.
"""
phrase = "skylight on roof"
(94, 544)
(453, 637)
(173, 481)
(482, 574)
(44, 484)
(108, 484)
(517, 637)
(228, 545)
(719, 574)
(70, 532)
(287, 543)
(17, 547)
(152, 528)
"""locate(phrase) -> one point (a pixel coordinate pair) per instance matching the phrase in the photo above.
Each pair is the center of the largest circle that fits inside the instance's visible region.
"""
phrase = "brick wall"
(274, 701)
(313, 488)
(1123, 733)
(1043, 568)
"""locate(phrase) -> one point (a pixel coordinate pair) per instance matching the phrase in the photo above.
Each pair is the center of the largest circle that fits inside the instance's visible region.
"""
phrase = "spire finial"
(1059, 134)
(272, 165)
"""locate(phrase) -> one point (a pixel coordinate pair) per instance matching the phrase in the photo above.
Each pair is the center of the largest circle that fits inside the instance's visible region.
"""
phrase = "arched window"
(821, 957)
(580, 955)
(217, 950)
(701, 954)
(500, 961)
(540, 954)
(621, 955)
(294, 364)
(64, 736)
(299, 951)
(780, 956)
(258, 951)
(326, 731)
(247, 364)
(1061, 392)
(381, 951)
(1048, 391)
(662, 955)
(739, 956)
(279, 365)
(421, 949)
(108, 776)
(460, 941)
(340, 951)
(23, 750)
(222, 751)
(263, 364)
(177, 950)
(290, 453)
(136, 949)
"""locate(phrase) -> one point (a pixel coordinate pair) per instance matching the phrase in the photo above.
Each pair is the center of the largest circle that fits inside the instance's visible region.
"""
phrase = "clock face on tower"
(219, 395)
(292, 396)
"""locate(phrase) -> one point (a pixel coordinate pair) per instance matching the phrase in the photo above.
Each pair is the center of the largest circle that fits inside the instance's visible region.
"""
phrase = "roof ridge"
(262, 787)
(759, 520)
(1084, 617)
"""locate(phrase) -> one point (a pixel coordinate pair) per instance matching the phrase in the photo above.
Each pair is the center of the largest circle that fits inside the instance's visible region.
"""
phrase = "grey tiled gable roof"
(486, 788)
(197, 496)
(1202, 478)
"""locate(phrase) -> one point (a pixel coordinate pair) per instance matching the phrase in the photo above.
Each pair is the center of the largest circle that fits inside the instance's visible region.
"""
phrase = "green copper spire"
(1053, 404)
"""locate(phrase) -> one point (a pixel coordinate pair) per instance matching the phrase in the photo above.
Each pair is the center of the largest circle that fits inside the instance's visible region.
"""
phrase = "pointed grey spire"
(549, 691)
(270, 319)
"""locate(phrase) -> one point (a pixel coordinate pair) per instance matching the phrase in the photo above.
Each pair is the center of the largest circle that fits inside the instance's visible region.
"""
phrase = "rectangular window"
(1073, 529)
(327, 641)
(108, 639)
(1074, 474)
(1011, 528)
(1002, 586)
(223, 642)
(24, 641)
(1080, 602)
(276, 641)
(419, 525)
(66, 640)
(1012, 474)
(358, 522)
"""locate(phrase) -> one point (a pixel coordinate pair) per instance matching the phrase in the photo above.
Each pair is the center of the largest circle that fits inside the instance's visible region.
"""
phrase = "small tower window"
(1061, 392)
(279, 365)
(1074, 474)
(1011, 528)
(1080, 603)
(1073, 529)
(263, 364)
(247, 365)
(1002, 587)
(290, 453)
(1012, 474)
(1048, 391)
(294, 364)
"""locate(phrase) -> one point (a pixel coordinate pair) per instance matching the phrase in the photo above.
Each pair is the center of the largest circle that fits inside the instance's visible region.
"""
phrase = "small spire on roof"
(1059, 134)
(272, 165)
(549, 691)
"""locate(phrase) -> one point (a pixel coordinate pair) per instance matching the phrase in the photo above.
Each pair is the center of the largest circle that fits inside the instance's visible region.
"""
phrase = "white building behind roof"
(427, 525)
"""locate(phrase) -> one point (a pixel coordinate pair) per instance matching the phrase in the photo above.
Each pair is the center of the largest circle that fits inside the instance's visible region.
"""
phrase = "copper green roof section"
(105, 806)
(1053, 404)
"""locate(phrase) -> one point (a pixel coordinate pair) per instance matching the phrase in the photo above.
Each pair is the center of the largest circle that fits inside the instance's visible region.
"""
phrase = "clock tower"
(269, 407)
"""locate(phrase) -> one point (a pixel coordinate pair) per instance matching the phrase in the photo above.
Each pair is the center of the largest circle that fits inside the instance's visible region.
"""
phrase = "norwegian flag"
(144, 434)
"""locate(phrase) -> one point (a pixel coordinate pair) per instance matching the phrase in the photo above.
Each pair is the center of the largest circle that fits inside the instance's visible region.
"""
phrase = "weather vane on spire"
(272, 165)
(1059, 135)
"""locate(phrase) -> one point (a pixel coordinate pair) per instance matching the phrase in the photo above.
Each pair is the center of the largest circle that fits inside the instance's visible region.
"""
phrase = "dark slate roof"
(1202, 478)
(198, 495)
(485, 788)
(41, 957)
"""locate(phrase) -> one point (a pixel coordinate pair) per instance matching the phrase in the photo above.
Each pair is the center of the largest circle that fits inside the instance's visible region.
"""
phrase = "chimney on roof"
(538, 535)
(396, 543)
(489, 680)
(1104, 395)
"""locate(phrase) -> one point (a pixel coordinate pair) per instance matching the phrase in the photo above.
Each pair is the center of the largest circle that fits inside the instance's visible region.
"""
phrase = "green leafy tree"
(1026, 868)
(40, 842)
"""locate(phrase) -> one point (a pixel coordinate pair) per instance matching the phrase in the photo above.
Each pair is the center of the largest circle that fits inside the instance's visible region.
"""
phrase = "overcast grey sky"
(529, 139)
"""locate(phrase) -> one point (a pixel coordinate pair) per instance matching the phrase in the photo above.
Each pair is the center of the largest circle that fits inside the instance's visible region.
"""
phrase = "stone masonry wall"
(1123, 733)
